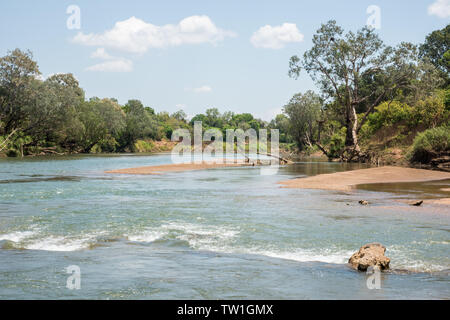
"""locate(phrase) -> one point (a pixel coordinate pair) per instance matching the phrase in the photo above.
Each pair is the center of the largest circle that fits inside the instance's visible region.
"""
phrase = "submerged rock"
(417, 204)
(8, 245)
(371, 254)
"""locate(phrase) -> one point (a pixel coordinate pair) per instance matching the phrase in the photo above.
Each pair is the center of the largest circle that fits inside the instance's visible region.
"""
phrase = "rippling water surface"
(214, 234)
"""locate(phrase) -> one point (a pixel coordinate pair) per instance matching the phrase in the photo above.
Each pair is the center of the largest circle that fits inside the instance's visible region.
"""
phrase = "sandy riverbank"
(177, 168)
(347, 180)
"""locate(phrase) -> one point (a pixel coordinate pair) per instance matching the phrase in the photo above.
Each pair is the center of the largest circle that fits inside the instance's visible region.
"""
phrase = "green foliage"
(180, 115)
(108, 144)
(282, 123)
(303, 111)
(18, 72)
(138, 124)
(100, 120)
(427, 113)
(143, 146)
(167, 124)
(436, 48)
(430, 143)
(369, 88)
(228, 121)
(336, 143)
(388, 114)
(433, 110)
(357, 71)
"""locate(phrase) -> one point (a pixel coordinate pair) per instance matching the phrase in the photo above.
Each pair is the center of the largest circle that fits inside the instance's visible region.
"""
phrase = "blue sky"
(193, 55)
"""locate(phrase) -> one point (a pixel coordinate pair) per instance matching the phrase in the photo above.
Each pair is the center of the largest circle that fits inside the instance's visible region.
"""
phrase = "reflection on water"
(313, 168)
(424, 190)
(41, 178)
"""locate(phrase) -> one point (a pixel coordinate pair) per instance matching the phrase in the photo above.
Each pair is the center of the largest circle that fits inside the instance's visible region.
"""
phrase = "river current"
(229, 233)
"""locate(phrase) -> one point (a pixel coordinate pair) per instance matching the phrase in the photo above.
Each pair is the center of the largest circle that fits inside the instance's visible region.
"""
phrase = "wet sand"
(348, 180)
(177, 167)
(442, 201)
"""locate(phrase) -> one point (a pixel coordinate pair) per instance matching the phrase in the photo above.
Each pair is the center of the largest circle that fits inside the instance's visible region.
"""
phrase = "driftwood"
(51, 150)
(3, 146)
(282, 160)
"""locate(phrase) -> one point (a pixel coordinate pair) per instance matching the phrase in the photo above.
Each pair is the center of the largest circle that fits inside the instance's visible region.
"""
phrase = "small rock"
(363, 202)
(371, 254)
(417, 204)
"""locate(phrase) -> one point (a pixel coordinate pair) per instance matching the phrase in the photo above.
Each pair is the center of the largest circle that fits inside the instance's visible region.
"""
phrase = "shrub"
(143, 146)
(430, 143)
(432, 111)
(388, 114)
(12, 153)
(337, 143)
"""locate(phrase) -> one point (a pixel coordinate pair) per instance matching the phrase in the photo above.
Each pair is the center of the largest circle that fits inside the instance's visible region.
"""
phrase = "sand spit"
(346, 181)
(177, 167)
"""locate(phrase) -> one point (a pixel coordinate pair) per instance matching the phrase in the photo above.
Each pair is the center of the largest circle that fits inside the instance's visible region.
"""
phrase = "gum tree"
(357, 71)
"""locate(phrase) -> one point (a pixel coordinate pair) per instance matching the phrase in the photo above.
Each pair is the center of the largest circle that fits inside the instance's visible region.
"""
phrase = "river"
(228, 233)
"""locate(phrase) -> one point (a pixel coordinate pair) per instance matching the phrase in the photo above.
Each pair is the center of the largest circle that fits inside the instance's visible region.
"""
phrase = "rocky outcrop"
(371, 254)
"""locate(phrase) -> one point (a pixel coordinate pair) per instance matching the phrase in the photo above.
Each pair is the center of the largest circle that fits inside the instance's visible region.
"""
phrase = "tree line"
(39, 116)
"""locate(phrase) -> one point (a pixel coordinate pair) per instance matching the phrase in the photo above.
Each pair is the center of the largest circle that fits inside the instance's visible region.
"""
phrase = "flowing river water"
(228, 233)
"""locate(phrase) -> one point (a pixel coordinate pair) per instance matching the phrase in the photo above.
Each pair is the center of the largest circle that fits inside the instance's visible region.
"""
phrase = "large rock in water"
(371, 254)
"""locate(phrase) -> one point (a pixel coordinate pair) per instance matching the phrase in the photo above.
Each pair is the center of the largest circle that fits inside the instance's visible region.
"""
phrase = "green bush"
(430, 112)
(96, 149)
(143, 146)
(337, 143)
(430, 143)
(388, 114)
(12, 153)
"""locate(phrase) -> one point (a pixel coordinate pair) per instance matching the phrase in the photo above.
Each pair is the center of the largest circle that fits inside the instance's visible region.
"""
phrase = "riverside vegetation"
(376, 103)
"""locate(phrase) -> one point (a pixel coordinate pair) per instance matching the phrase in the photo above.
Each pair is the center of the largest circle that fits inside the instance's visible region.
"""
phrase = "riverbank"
(348, 180)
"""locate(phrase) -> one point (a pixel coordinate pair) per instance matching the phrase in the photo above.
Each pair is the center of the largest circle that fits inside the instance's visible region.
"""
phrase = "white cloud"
(120, 65)
(101, 53)
(112, 64)
(137, 36)
(39, 77)
(202, 89)
(440, 8)
(276, 37)
(270, 114)
(43, 78)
